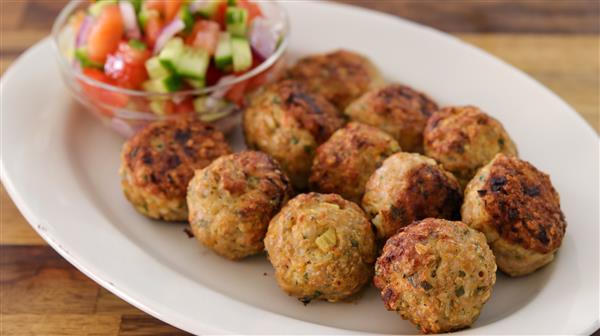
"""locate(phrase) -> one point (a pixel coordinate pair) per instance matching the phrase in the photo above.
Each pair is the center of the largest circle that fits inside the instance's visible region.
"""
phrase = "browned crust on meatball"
(312, 112)
(340, 76)
(397, 109)
(162, 157)
(344, 163)
(523, 205)
(430, 194)
(463, 139)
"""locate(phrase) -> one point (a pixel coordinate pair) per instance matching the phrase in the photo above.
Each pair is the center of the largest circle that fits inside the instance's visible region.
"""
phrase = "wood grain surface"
(556, 42)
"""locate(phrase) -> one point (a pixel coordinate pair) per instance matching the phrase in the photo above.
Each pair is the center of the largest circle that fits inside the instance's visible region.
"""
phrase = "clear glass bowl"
(126, 111)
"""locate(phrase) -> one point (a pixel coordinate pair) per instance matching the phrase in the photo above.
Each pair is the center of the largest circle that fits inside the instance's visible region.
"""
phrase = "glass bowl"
(126, 111)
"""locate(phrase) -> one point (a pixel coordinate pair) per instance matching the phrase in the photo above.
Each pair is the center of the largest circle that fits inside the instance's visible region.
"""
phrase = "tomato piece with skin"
(205, 35)
(252, 8)
(171, 8)
(101, 97)
(219, 15)
(152, 30)
(236, 93)
(126, 66)
(105, 34)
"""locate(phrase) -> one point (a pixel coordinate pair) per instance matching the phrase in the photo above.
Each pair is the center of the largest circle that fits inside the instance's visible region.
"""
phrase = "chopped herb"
(137, 44)
(501, 142)
(411, 280)
(461, 274)
(308, 149)
(317, 294)
(276, 100)
(354, 242)
(295, 140)
(305, 276)
(460, 291)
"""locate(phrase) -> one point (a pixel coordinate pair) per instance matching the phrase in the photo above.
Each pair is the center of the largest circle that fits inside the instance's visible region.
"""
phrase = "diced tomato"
(101, 97)
(158, 5)
(205, 35)
(126, 66)
(252, 8)
(186, 106)
(219, 15)
(106, 34)
(171, 8)
(154, 25)
(236, 93)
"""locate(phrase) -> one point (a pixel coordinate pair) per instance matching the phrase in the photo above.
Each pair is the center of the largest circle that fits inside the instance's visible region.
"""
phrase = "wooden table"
(556, 42)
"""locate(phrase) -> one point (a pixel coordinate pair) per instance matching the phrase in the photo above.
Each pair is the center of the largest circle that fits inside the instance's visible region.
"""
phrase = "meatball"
(396, 109)
(409, 187)
(464, 139)
(288, 122)
(437, 274)
(344, 163)
(321, 247)
(340, 76)
(232, 201)
(158, 162)
(518, 210)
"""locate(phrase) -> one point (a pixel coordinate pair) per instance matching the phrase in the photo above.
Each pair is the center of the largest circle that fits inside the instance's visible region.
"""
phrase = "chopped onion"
(263, 37)
(84, 31)
(132, 30)
(168, 31)
(197, 4)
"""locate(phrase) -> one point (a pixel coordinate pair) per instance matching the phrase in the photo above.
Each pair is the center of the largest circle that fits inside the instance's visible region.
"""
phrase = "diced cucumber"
(137, 44)
(242, 55)
(223, 55)
(213, 116)
(82, 56)
(195, 83)
(171, 52)
(137, 5)
(236, 19)
(170, 83)
(157, 106)
(208, 9)
(186, 16)
(156, 69)
(145, 15)
(192, 63)
(97, 7)
(231, 3)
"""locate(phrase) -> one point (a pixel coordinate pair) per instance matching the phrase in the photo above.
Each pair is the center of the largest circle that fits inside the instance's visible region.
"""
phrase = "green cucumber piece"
(195, 83)
(137, 44)
(167, 84)
(171, 53)
(137, 5)
(231, 3)
(96, 8)
(82, 56)
(156, 69)
(223, 54)
(236, 19)
(157, 106)
(192, 63)
(242, 55)
(186, 16)
(209, 9)
(145, 15)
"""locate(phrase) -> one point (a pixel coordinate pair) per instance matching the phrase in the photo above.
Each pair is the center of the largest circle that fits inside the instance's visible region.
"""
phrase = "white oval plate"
(60, 167)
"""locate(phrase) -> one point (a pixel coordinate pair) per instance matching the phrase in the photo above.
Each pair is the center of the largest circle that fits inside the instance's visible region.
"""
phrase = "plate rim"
(19, 200)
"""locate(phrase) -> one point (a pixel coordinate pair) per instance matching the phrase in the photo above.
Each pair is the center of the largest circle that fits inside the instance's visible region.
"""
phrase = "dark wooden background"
(556, 42)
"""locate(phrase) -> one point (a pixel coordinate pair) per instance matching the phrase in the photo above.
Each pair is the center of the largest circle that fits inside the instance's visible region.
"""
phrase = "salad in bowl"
(134, 61)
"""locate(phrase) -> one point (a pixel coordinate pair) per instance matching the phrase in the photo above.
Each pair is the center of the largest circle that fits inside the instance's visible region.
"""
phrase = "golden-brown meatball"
(518, 210)
(345, 162)
(437, 274)
(232, 200)
(396, 109)
(288, 122)
(158, 162)
(321, 247)
(340, 76)
(463, 139)
(409, 187)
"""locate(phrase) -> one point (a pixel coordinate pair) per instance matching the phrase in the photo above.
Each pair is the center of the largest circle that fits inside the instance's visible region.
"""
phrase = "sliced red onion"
(84, 31)
(132, 30)
(167, 33)
(263, 37)
(197, 4)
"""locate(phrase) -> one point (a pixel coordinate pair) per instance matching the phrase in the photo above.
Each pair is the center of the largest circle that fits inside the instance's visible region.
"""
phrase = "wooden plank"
(145, 325)
(36, 280)
(59, 324)
(107, 302)
(12, 13)
(495, 16)
(14, 229)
